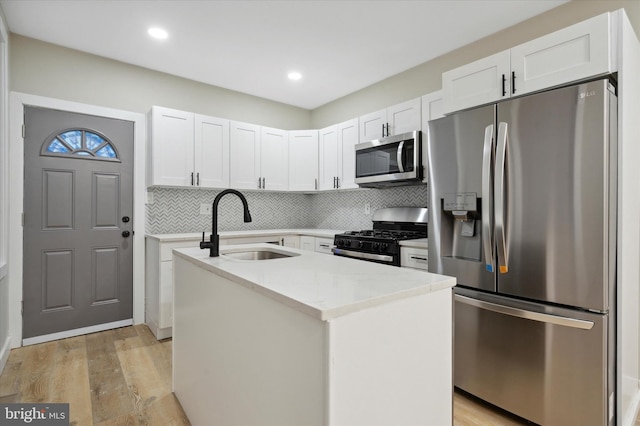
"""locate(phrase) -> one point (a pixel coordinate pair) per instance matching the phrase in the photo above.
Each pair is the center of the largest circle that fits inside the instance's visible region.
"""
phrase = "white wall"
(45, 69)
(5, 341)
(427, 78)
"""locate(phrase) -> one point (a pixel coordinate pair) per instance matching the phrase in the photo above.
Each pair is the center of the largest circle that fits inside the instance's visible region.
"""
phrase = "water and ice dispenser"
(461, 231)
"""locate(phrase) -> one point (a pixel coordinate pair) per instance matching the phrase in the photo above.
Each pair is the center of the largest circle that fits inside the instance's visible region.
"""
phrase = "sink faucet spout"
(214, 240)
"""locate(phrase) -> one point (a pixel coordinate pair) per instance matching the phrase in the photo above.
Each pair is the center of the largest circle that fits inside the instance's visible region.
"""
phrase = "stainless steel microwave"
(390, 161)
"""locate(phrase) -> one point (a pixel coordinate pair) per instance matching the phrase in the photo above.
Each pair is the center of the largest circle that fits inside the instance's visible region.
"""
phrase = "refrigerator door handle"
(521, 313)
(487, 202)
(499, 194)
(399, 157)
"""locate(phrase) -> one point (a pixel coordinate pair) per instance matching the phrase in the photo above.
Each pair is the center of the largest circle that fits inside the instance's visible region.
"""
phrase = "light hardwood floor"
(123, 377)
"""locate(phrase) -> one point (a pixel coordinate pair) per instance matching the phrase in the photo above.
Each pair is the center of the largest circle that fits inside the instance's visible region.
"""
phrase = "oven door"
(389, 160)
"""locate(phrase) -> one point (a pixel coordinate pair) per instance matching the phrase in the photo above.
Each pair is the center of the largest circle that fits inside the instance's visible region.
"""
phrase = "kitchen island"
(310, 339)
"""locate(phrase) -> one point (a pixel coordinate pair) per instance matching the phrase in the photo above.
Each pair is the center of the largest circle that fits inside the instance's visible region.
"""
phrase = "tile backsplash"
(177, 210)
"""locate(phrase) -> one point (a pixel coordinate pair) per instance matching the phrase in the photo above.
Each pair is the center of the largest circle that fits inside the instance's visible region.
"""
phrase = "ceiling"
(250, 46)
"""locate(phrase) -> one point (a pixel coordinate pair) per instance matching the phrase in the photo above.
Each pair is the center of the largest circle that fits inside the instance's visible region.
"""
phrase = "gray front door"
(78, 205)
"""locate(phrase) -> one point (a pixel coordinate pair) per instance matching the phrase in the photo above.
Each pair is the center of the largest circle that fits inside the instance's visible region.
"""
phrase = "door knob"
(125, 219)
(126, 234)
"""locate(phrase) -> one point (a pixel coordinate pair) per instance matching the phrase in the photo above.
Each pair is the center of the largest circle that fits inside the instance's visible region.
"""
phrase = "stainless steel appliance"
(394, 160)
(382, 243)
(523, 212)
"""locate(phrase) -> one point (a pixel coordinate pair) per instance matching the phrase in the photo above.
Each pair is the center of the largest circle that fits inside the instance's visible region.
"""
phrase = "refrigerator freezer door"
(460, 152)
(555, 216)
(547, 365)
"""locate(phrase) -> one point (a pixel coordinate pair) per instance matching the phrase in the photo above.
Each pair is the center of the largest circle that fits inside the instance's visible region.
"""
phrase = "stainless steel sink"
(257, 254)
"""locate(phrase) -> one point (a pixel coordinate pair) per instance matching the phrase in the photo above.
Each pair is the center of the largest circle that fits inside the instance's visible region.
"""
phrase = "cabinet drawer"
(324, 245)
(414, 258)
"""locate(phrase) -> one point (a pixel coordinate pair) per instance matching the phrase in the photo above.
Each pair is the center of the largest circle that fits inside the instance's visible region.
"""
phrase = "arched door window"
(80, 143)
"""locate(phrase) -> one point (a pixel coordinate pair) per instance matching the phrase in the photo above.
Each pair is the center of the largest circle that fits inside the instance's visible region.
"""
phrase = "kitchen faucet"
(214, 240)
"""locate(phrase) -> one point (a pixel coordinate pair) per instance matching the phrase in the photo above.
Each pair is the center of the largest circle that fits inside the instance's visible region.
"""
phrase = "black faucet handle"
(202, 236)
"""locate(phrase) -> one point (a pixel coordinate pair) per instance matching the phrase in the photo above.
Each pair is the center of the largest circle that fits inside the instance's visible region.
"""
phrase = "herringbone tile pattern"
(178, 210)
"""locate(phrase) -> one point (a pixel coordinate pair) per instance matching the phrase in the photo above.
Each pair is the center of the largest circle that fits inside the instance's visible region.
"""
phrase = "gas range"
(382, 243)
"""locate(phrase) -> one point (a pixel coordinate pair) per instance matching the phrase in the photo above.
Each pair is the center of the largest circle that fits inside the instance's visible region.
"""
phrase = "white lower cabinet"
(317, 244)
(159, 271)
(416, 258)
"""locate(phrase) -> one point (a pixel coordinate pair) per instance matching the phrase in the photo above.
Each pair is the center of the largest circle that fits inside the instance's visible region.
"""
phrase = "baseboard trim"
(76, 332)
(4, 353)
(160, 333)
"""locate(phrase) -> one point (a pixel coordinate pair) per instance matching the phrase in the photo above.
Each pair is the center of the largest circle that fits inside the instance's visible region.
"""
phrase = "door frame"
(16, 201)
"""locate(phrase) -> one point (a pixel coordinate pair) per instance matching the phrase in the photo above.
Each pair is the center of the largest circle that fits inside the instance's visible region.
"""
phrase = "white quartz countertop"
(322, 286)
(324, 233)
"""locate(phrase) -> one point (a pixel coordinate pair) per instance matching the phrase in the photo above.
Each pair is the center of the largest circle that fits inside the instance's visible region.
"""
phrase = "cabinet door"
(171, 147)
(323, 245)
(431, 110)
(274, 159)
(307, 243)
(371, 125)
(328, 156)
(480, 82)
(573, 53)
(303, 160)
(211, 152)
(244, 154)
(405, 117)
(347, 140)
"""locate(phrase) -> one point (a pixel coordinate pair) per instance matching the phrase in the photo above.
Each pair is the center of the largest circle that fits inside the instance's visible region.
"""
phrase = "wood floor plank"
(35, 372)
(109, 393)
(70, 380)
(468, 411)
(143, 381)
(9, 383)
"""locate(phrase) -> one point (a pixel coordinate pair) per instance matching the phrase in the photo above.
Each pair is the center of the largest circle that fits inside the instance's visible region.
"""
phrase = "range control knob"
(360, 244)
(384, 246)
(376, 246)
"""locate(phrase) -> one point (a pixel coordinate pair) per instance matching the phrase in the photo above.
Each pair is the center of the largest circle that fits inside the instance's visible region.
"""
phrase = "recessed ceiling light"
(294, 75)
(158, 33)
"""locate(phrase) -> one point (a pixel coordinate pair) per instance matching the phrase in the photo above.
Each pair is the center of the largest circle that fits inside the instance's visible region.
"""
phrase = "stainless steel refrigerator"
(522, 210)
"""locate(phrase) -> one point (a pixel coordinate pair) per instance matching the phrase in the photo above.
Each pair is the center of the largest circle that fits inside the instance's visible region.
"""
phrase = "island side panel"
(240, 358)
(392, 364)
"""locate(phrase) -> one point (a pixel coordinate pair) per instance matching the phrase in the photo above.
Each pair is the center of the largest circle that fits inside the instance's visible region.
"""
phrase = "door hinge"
(22, 308)
(24, 130)
(22, 219)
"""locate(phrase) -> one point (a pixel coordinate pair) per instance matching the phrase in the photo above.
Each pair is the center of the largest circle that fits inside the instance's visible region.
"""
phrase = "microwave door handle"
(399, 157)
(499, 193)
(487, 202)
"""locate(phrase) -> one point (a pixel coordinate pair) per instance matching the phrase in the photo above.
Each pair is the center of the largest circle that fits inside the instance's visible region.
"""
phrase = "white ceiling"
(250, 46)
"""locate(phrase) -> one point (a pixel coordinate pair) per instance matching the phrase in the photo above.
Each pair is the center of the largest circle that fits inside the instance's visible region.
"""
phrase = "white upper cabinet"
(211, 154)
(401, 118)
(171, 147)
(431, 110)
(574, 53)
(373, 125)
(188, 150)
(404, 117)
(244, 153)
(303, 160)
(337, 155)
(347, 140)
(480, 82)
(274, 159)
(328, 157)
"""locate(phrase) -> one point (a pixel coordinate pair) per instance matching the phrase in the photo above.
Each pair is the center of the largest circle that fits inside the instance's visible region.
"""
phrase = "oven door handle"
(360, 255)
(399, 156)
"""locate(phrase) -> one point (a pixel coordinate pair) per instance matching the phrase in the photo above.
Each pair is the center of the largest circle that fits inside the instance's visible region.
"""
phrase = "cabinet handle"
(504, 85)
(382, 129)
(191, 178)
(423, 259)
(337, 182)
(198, 179)
(316, 184)
(264, 183)
(513, 82)
(259, 183)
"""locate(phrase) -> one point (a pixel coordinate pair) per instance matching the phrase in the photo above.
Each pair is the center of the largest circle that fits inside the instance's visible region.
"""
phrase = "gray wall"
(427, 77)
(45, 69)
